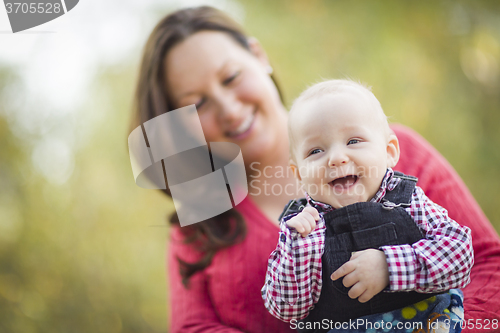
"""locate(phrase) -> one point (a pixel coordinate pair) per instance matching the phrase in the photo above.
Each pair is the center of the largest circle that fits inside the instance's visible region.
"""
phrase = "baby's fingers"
(366, 296)
(311, 211)
(308, 225)
(343, 270)
(294, 222)
(305, 221)
(310, 216)
(357, 290)
(300, 224)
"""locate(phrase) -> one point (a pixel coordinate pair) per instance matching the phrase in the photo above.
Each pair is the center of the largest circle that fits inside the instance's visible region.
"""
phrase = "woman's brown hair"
(151, 101)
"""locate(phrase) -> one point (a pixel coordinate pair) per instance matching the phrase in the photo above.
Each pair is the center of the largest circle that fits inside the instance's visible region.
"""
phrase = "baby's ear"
(295, 169)
(392, 150)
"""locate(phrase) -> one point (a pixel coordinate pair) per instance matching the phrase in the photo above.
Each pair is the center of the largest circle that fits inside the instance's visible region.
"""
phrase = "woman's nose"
(229, 107)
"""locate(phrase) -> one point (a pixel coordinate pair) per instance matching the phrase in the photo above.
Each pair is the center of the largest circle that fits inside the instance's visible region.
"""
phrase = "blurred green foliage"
(88, 255)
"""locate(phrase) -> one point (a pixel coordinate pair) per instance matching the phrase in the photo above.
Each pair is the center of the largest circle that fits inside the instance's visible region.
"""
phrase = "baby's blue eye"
(315, 151)
(353, 141)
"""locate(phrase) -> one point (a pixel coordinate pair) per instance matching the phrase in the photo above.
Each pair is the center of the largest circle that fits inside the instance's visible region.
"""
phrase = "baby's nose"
(337, 159)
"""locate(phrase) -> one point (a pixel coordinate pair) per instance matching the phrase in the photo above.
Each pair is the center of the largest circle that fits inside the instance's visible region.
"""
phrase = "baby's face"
(342, 147)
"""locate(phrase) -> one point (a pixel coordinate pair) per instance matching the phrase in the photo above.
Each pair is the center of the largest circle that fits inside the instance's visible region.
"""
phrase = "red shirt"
(226, 296)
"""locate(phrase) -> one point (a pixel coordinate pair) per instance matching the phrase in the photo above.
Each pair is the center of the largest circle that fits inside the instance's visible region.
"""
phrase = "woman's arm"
(443, 186)
(191, 309)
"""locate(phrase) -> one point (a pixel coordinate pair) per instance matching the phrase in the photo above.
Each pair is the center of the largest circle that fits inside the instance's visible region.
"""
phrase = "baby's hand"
(305, 221)
(366, 272)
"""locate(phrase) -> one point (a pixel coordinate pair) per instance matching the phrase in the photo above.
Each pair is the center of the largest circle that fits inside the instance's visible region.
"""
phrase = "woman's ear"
(258, 51)
(295, 170)
(392, 150)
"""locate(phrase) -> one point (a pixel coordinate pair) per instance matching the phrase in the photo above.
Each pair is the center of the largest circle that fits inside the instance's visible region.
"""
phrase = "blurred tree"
(76, 257)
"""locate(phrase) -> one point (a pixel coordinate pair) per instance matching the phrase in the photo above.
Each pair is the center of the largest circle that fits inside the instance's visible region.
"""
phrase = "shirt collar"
(388, 183)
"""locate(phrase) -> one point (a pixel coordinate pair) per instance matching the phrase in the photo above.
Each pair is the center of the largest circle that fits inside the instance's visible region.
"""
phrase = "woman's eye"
(200, 103)
(231, 78)
(353, 141)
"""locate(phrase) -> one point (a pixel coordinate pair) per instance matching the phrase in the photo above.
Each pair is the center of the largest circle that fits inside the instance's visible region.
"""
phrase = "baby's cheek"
(306, 174)
(371, 188)
(309, 186)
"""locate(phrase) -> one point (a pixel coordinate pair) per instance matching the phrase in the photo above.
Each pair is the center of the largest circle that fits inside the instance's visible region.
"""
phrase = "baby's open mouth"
(344, 182)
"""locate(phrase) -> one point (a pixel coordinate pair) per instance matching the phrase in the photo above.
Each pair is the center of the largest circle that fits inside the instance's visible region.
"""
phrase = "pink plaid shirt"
(439, 262)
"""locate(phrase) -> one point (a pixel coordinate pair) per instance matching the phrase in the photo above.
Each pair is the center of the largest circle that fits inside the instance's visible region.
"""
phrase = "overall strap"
(401, 195)
(293, 206)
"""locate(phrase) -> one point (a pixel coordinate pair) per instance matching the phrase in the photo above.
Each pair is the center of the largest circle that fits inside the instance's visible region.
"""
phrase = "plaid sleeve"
(293, 278)
(439, 262)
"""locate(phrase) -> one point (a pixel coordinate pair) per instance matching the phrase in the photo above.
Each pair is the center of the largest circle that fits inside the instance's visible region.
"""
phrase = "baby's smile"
(344, 183)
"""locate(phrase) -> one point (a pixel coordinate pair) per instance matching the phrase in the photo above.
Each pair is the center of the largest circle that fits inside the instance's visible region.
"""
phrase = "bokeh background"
(82, 247)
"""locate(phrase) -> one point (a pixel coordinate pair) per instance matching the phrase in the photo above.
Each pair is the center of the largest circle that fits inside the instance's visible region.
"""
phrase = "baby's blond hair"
(332, 87)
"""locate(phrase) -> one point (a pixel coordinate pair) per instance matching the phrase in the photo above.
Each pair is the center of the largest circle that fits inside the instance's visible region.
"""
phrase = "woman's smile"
(244, 129)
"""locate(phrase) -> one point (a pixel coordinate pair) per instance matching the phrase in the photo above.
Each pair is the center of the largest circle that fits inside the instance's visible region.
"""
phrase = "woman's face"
(235, 97)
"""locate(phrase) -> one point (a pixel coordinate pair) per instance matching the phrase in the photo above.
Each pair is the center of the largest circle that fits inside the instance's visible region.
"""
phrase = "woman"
(217, 267)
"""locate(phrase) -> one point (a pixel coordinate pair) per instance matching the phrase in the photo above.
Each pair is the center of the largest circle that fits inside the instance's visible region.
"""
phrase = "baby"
(366, 242)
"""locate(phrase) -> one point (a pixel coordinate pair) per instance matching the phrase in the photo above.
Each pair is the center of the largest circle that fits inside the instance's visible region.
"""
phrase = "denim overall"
(358, 227)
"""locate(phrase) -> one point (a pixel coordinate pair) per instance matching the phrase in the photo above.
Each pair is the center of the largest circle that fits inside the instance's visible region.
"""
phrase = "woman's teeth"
(244, 126)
